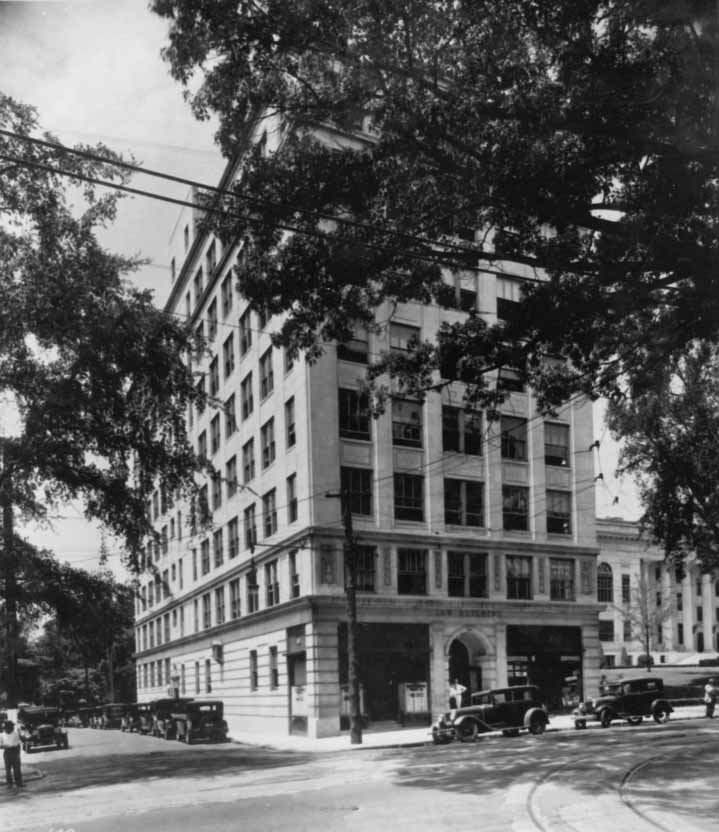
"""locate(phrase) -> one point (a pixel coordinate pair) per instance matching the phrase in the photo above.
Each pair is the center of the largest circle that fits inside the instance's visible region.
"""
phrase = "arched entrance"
(464, 661)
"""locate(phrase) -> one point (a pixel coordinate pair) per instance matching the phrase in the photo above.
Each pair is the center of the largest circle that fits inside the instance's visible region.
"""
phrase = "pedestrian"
(710, 697)
(456, 690)
(10, 742)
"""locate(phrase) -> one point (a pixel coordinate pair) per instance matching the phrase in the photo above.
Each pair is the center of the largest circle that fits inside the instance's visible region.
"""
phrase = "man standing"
(456, 690)
(710, 697)
(10, 742)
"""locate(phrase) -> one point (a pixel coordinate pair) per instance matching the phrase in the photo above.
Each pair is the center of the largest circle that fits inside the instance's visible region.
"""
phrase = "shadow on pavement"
(200, 761)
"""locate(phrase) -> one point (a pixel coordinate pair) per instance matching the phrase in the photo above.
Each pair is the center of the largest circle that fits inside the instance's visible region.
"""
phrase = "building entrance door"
(459, 669)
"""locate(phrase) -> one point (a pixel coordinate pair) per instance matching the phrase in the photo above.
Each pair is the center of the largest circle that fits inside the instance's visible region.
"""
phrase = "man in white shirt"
(10, 743)
(456, 691)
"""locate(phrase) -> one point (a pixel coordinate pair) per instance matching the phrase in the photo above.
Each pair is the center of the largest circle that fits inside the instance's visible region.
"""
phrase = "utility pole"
(9, 574)
(350, 564)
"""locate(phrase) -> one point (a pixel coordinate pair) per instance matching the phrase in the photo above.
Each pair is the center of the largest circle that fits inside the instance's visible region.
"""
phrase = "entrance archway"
(465, 652)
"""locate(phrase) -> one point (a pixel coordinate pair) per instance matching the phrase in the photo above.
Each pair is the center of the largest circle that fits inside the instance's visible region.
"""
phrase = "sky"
(94, 73)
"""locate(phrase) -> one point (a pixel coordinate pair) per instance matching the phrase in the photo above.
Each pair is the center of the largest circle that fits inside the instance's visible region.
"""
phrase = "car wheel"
(467, 732)
(537, 726)
(661, 714)
(580, 723)
(605, 719)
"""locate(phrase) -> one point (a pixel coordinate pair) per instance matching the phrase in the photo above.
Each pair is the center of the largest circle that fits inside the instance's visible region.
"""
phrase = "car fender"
(532, 714)
(663, 704)
(466, 719)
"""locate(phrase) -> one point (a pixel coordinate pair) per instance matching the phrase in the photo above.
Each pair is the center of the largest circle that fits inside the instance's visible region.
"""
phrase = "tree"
(670, 435)
(95, 370)
(646, 612)
(577, 141)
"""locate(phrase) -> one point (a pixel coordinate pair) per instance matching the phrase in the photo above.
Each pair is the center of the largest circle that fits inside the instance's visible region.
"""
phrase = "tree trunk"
(10, 576)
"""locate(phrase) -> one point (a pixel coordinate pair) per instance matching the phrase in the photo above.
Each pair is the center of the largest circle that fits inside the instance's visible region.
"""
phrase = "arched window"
(605, 589)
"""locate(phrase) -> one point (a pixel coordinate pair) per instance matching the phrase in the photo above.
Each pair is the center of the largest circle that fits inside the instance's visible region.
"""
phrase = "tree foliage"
(670, 446)
(94, 368)
(580, 139)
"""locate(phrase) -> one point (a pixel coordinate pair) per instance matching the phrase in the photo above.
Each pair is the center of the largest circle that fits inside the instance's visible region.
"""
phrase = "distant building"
(478, 551)
(691, 599)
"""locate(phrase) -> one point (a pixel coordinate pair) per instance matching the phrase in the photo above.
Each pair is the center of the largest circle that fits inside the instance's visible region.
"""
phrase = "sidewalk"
(414, 736)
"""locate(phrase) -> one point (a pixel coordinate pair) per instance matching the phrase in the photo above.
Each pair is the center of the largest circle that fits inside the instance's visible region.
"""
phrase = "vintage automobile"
(163, 723)
(630, 699)
(200, 721)
(503, 709)
(41, 728)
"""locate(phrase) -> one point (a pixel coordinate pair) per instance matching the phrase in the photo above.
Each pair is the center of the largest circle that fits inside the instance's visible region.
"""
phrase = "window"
(215, 434)
(159, 673)
(250, 529)
(680, 633)
(515, 508)
(700, 615)
(509, 294)
(248, 461)
(411, 571)
(226, 295)
(354, 415)
(179, 571)
(211, 258)
(510, 380)
(208, 676)
(205, 557)
(262, 317)
(212, 320)
(267, 437)
(214, 376)
(246, 400)
(274, 670)
(201, 396)
(194, 564)
(196, 614)
(356, 485)
(356, 349)
(199, 340)
(235, 606)
(626, 591)
(253, 591)
(406, 423)
(272, 585)
(463, 503)
(202, 445)
(206, 611)
(561, 579)
(230, 416)
(514, 438)
(220, 605)
(198, 284)
(253, 669)
(290, 436)
(228, 355)
(269, 513)
(466, 575)
(626, 630)
(365, 568)
(556, 444)
(216, 490)
(292, 498)
(680, 601)
(606, 630)
(267, 377)
(233, 538)
(402, 337)
(245, 332)
(559, 512)
(408, 497)
(519, 577)
(605, 584)
(197, 677)
(183, 686)
(217, 548)
(294, 575)
(231, 476)
(461, 430)
(289, 361)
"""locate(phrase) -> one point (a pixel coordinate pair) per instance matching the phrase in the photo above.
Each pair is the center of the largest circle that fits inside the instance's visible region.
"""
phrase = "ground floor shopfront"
(288, 673)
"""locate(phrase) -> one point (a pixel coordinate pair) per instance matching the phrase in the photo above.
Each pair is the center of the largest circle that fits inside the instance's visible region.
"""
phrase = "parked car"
(630, 699)
(41, 728)
(200, 721)
(163, 724)
(507, 709)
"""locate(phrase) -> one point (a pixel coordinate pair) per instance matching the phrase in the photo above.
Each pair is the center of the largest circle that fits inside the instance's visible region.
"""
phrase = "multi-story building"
(681, 606)
(477, 547)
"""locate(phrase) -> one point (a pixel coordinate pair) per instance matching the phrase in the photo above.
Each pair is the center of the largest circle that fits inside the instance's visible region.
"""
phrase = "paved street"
(634, 779)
